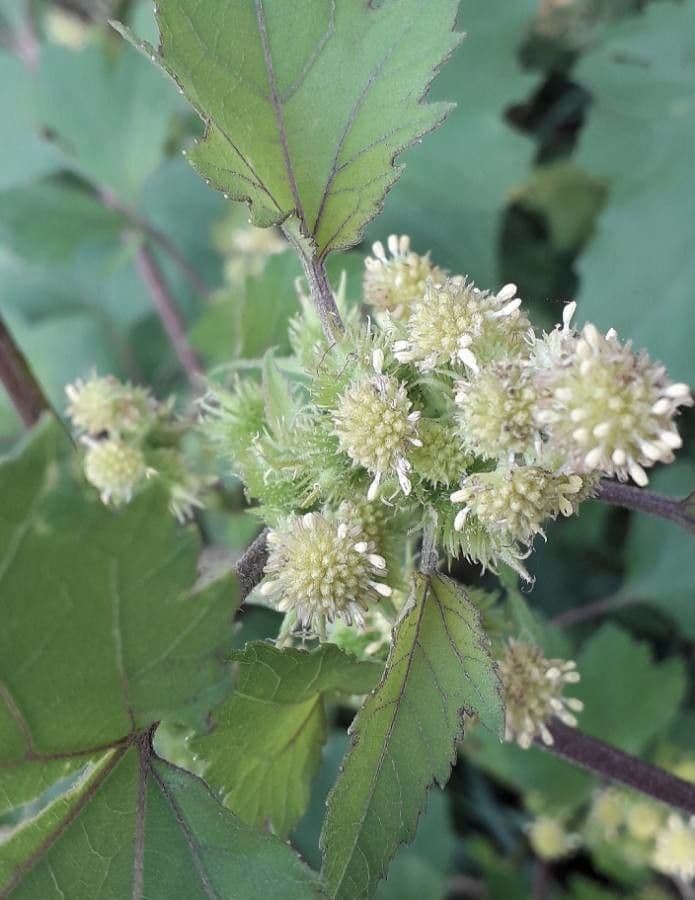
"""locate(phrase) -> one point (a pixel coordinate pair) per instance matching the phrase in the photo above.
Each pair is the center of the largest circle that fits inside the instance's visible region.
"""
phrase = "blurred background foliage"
(567, 167)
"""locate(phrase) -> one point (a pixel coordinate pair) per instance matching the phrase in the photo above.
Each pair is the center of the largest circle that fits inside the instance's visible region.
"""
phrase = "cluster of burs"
(441, 405)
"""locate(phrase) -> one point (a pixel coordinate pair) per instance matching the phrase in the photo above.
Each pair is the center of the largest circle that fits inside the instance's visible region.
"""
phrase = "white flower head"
(115, 468)
(457, 324)
(322, 569)
(674, 853)
(377, 427)
(395, 280)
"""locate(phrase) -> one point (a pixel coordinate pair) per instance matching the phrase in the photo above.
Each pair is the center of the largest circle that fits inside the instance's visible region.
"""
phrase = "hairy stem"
(168, 312)
(19, 380)
(631, 497)
(249, 569)
(323, 299)
(607, 761)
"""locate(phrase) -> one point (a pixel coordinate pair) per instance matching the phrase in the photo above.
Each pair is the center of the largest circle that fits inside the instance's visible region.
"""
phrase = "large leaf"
(266, 744)
(640, 134)
(104, 633)
(405, 735)
(457, 183)
(134, 826)
(307, 104)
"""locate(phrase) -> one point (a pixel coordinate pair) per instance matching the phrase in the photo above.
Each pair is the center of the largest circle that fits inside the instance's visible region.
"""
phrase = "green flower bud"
(321, 569)
(115, 469)
(376, 427)
(516, 501)
(441, 459)
(533, 693)
(394, 285)
(105, 404)
(233, 419)
(496, 412)
(610, 410)
(185, 487)
(458, 324)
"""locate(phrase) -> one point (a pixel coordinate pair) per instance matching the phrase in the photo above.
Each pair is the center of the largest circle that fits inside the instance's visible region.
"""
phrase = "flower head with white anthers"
(610, 410)
(115, 468)
(105, 404)
(458, 324)
(322, 569)
(533, 688)
(376, 426)
(495, 412)
(394, 284)
(516, 501)
(674, 853)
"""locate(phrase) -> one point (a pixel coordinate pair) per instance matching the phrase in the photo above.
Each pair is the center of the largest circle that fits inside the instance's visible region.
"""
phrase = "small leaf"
(266, 744)
(306, 105)
(405, 735)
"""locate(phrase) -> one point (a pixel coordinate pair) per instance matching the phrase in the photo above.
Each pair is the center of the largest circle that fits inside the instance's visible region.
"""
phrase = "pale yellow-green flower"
(457, 324)
(495, 412)
(441, 460)
(377, 427)
(532, 688)
(115, 468)
(394, 283)
(608, 409)
(104, 404)
(674, 853)
(516, 500)
(550, 839)
(321, 569)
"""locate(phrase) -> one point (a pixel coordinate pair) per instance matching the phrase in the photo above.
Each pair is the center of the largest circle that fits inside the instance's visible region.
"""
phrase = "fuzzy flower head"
(115, 468)
(608, 811)
(550, 839)
(533, 693)
(611, 410)
(321, 569)
(393, 284)
(495, 412)
(105, 404)
(441, 460)
(457, 324)
(516, 501)
(376, 426)
(674, 853)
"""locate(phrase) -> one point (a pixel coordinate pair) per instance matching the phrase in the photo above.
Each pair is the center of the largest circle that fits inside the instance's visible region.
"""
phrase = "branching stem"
(607, 761)
(19, 380)
(631, 497)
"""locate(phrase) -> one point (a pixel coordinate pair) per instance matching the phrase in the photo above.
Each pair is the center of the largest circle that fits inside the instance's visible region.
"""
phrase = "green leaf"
(110, 117)
(629, 699)
(638, 272)
(452, 196)
(266, 745)
(134, 826)
(404, 737)
(105, 634)
(49, 222)
(307, 104)
(23, 154)
(659, 555)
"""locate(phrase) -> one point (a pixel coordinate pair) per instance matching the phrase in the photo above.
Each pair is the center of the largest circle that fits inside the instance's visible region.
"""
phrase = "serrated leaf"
(134, 826)
(104, 633)
(405, 735)
(266, 744)
(307, 104)
(640, 135)
(457, 183)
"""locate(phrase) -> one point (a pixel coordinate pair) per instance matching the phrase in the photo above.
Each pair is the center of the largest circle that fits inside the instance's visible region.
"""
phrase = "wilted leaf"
(405, 735)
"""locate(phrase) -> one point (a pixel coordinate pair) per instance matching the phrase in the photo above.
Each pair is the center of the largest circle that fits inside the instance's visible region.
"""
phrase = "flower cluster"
(533, 688)
(444, 405)
(129, 437)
